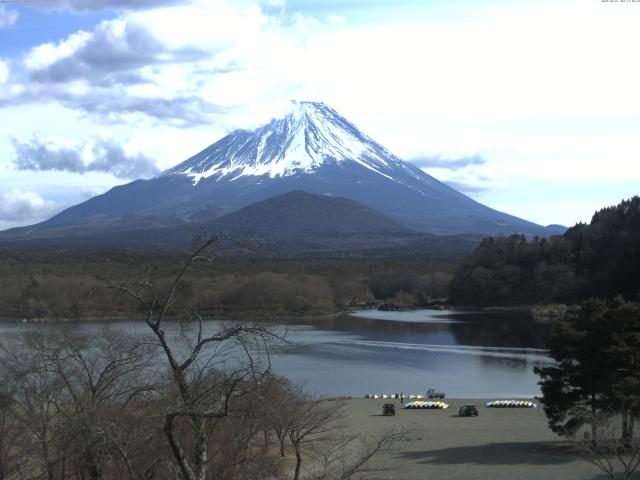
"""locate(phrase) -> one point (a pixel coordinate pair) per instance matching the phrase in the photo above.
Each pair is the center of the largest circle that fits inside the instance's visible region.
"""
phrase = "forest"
(600, 259)
(60, 285)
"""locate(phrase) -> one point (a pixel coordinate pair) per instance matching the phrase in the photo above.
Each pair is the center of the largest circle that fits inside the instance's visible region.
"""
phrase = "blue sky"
(36, 27)
(542, 97)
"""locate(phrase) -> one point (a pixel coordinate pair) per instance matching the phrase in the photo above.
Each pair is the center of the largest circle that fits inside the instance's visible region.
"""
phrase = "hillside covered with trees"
(600, 259)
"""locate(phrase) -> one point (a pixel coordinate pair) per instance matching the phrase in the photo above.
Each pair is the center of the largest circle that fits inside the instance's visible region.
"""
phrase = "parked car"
(389, 409)
(468, 410)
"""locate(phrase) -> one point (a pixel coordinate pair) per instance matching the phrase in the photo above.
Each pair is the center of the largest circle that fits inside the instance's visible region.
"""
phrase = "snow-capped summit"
(308, 136)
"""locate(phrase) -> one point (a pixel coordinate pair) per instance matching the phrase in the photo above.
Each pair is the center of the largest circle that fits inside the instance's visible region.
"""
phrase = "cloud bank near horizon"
(101, 155)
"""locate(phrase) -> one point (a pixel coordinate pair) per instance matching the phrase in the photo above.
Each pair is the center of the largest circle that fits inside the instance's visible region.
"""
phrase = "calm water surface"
(464, 354)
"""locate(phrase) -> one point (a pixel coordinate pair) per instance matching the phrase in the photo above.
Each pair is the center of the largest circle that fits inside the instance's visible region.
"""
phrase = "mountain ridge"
(311, 149)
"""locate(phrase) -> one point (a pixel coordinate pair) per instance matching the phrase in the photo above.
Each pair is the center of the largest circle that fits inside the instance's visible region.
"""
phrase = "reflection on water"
(510, 330)
(485, 352)
(411, 316)
(465, 354)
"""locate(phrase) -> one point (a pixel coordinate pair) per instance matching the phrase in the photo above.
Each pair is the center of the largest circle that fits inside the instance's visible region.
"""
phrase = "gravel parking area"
(498, 444)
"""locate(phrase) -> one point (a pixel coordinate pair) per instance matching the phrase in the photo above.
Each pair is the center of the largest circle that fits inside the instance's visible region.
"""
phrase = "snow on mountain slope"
(310, 135)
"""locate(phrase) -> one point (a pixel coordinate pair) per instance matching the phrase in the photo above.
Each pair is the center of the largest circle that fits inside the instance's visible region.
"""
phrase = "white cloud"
(337, 20)
(47, 54)
(495, 65)
(24, 206)
(274, 3)
(7, 17)
(113, 52)
(459, 86)
(95, 155)
(202, 63)
(437, 161)
(117, 73)
(4, 73)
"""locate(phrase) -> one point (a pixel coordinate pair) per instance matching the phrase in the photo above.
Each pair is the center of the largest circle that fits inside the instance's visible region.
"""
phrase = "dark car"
(468, 411)
(388, 409)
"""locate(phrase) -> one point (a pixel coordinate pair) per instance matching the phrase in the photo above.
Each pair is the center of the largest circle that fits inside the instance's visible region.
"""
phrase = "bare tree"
(36, 393)
(11, 433)
(279, 405)
(349, 456)
(72, 394)
(310, 422)
(314, 431)
(238, 451)
(200, 398)
(102, 375)
(613, 454)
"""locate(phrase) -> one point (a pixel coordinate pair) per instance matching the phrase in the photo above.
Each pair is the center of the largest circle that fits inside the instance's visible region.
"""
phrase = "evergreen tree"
(596, 352)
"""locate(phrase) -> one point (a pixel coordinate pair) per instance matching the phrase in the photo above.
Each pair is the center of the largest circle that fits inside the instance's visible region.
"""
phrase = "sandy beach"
(499, 444)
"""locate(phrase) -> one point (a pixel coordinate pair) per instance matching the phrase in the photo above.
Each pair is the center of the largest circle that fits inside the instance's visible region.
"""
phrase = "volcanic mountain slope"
(311, 149)
(301, 214)
(300, 224)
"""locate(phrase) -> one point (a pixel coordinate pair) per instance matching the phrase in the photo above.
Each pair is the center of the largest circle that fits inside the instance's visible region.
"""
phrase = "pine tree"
(596, 370)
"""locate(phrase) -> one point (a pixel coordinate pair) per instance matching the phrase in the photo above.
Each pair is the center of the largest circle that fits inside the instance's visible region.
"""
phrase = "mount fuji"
(312, 149)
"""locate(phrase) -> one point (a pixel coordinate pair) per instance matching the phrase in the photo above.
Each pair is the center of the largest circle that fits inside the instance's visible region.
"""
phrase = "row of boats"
(411, 396)
(492, 404)
(427, 405)
(419, 402)
(511, 404)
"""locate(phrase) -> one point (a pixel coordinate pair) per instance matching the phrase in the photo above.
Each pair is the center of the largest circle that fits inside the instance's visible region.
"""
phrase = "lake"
(465, 354)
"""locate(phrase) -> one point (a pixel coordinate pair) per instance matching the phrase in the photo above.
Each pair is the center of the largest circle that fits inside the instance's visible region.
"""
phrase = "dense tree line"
(64, 285)
(607, 251)
(597, 259)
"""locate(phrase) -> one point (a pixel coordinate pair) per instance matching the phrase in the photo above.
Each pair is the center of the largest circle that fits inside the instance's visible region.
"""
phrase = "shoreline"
(542, 313)
(301, 317)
